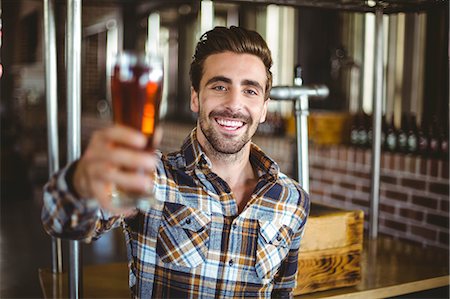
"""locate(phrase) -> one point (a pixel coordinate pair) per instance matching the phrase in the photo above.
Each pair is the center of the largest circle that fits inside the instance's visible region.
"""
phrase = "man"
(228, 223)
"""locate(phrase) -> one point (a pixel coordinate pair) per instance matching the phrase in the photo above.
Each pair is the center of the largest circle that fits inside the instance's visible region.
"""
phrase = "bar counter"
(389, 268)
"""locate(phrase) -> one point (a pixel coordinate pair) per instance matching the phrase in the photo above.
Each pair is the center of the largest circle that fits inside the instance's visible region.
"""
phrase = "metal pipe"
(376, 125)
(301, 123)
(73, 50)
(51, 83)
(301, 106)
(300, 95)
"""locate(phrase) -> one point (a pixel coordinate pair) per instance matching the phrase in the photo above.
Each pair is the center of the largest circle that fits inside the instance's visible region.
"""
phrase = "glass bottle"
(402, 138)
(391, 136)
(412, 136)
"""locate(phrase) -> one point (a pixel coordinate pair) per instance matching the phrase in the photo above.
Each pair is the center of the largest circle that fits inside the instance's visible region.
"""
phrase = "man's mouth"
(230, 124)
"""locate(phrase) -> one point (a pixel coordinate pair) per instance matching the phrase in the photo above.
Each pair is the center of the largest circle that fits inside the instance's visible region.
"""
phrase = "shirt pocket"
(274, 241)
(183, 237)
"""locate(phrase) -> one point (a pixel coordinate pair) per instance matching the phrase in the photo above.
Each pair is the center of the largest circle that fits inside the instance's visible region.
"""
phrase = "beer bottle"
(363, 136)
(412, 138)
(433, 133)
(402, 138)
(391, 136)
(354, 135)
(422, 138)
(368, 124)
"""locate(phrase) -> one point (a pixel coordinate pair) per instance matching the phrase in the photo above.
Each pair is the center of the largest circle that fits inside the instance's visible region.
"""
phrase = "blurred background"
(333, 44)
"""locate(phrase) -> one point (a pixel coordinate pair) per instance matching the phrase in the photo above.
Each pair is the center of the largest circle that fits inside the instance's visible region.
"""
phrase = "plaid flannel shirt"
(194, 243)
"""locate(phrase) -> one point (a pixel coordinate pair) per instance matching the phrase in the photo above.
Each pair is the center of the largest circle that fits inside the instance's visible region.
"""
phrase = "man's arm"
(64, 214)
(76, 198)
(285, 279)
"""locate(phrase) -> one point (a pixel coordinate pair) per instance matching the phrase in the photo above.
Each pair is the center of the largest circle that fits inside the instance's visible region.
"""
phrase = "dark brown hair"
(233, 39)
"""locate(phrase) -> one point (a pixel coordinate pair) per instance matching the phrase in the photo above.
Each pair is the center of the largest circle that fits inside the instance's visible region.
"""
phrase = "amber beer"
(136, 93)
(136, 90)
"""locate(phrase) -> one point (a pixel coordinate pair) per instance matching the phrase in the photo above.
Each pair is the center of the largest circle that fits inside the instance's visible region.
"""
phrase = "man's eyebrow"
(246, 82)
(252, 83)
(218, 79)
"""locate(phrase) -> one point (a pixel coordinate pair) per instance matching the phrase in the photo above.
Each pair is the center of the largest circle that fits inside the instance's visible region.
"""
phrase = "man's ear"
(194, 101)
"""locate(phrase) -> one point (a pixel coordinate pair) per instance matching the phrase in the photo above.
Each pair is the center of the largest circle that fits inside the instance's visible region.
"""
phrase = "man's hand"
(113, 157)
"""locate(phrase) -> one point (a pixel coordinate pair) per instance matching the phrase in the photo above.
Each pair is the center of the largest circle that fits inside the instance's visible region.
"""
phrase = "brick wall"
(414, 192)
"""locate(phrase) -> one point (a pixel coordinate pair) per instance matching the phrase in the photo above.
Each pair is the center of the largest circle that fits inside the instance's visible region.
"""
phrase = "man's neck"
(235, 169)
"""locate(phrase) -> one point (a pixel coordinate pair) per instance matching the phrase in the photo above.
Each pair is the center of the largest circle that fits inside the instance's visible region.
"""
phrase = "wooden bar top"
(389, 268)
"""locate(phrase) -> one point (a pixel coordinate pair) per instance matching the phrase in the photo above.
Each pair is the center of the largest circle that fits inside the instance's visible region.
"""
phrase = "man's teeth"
(230, 123)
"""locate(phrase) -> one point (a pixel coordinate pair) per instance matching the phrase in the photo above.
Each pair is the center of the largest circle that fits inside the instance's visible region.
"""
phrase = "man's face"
(230, 101)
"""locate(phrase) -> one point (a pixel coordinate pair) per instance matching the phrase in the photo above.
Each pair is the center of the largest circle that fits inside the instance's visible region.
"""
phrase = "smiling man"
(228, 223)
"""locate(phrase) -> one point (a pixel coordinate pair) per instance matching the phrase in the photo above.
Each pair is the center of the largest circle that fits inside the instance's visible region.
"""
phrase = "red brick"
(346, 185)
(327, 181)
(423, 166)
(391, 161)
(399, 226)
(438, 220)
(318, 167)
(439, 188)
(387, 208)
(317, 192)
(365, 189)
(444, 170)
(414, 184)
(424, 232)
(443, 238)
(401, 162)
(367, 157)
(361, 202)
(388, 179)
(361, 174)
(444, 205)
(412, 214)
(383, 161)
(339, 170)
(342, 154)
(359, 156)
(396, 195)
(351, 155)
(410, 164)
(434, 167)
(386, 158)
(338, 196)
(425, 201)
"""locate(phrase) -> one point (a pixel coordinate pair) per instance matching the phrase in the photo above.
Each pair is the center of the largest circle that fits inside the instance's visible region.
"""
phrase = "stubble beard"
(220, 146)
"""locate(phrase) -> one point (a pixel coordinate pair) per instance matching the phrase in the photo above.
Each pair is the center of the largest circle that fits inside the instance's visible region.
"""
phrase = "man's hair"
(234, 39)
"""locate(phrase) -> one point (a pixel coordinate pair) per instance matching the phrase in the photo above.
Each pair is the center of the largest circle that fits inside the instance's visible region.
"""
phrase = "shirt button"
(234, 225)
(230, 263)
(188, 221)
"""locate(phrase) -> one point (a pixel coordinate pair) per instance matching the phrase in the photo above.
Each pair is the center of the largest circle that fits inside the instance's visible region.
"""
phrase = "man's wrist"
(70, 179)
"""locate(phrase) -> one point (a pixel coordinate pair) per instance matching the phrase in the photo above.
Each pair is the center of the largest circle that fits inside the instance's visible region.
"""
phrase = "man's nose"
(234, 99)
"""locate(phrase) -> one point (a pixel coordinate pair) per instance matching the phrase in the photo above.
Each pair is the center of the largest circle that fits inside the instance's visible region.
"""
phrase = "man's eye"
(251, 92)
(219, 88)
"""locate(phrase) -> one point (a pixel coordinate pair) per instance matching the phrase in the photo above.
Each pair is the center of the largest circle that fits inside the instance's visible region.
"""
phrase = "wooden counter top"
(392, 268)
(389, 268)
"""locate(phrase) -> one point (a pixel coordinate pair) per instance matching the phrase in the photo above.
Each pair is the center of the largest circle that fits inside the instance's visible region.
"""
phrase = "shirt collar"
(195, 157)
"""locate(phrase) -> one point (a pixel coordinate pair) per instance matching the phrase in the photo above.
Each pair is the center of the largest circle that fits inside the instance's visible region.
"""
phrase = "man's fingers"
(131, 159)
(119, 135)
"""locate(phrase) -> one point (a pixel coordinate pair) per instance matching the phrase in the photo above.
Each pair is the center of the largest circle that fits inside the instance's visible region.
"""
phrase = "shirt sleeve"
(65, 215)
(285, 280)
